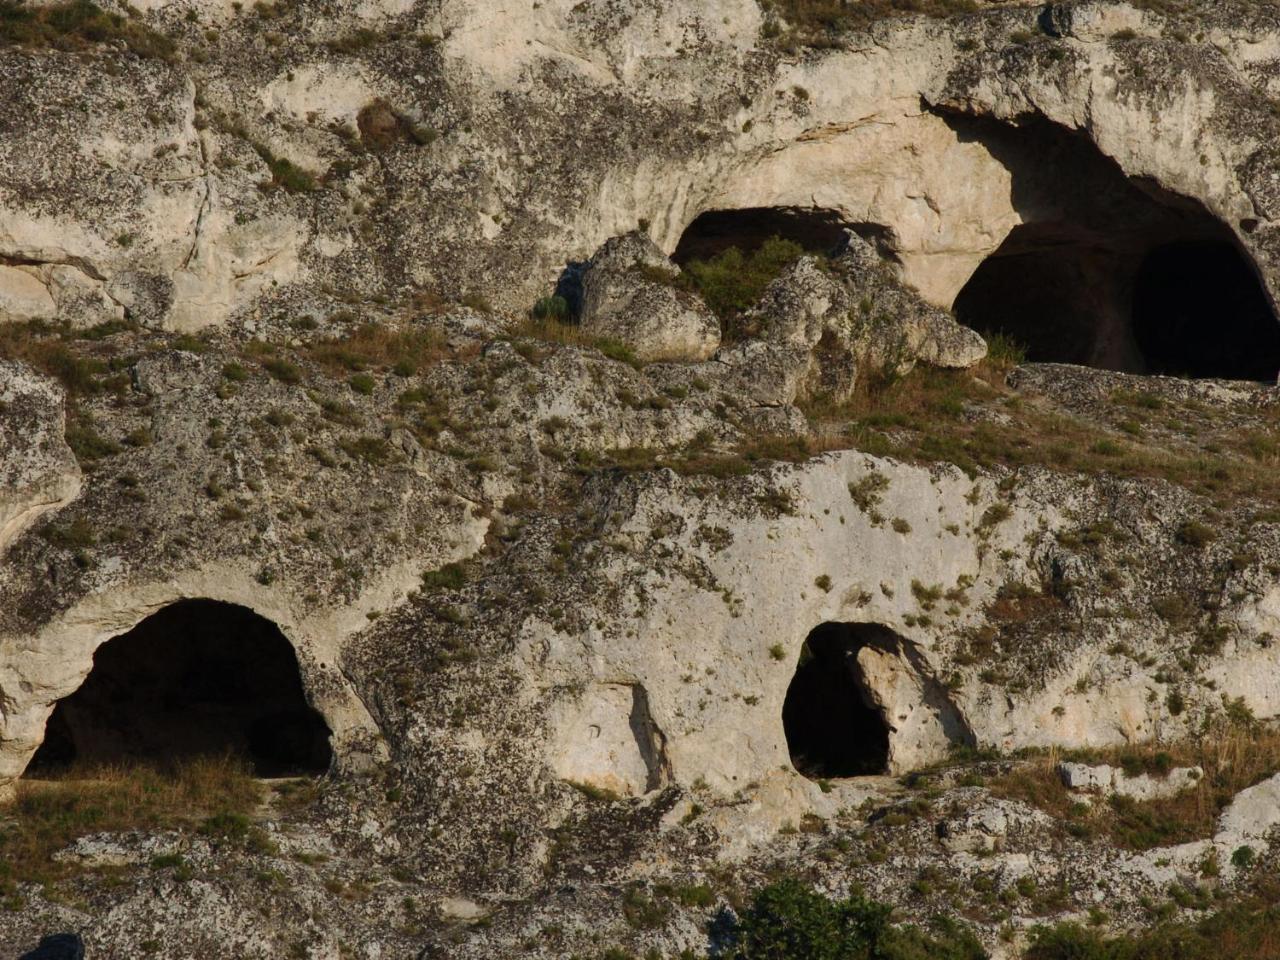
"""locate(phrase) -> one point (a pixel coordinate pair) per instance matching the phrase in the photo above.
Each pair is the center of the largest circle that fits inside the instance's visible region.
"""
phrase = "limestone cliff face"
(552, 586)
(515, 140)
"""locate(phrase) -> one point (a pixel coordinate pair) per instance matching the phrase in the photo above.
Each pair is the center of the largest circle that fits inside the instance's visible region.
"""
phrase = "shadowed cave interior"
(198, 678)
(833, 727)
(1114, 272)
(815, 229)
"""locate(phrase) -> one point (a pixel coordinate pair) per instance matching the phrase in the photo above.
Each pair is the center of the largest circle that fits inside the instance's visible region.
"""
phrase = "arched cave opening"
(832, 725)
(814, 229)
(1114, 272)
(197, 678)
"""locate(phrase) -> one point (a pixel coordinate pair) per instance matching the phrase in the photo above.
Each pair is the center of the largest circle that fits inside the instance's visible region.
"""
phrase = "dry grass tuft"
(934, 415)
(403, 351)
(47, 815)
(1233, 756)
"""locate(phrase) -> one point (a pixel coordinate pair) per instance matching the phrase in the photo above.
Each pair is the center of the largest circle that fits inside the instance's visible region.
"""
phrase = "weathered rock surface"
(627, 297)
(1106, 780)
(37, 470)
(592, 701)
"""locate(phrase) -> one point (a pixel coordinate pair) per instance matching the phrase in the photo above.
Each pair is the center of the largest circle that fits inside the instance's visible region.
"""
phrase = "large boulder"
(893, 326)
(851, 316)
(807, 310)
(628, 295)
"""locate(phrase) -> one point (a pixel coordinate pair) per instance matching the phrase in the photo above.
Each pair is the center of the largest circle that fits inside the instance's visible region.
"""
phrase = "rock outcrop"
(629, 296)
(265, 288)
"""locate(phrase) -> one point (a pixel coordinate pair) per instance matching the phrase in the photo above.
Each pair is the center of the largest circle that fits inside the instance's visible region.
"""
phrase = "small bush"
(869, 491)
(285, 174)
(283, 370)
(618, 351)
(1195, 534)
(1004, 351)
(789, 921)
(87, 444)
(451, 576)
(732, 282)
(551, 308)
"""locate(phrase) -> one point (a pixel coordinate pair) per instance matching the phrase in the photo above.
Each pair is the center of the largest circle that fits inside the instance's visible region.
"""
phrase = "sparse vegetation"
(1247, 930)
(49, 814)
(1233, 751)
(819, 23)
(76, 25)
(921, 417)
(402, 351)
(732, 282)
(1195, 534)
(789, 921)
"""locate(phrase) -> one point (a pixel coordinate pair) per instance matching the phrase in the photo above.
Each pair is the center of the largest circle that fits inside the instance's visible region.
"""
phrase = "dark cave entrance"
(833, 727)
(1199, 310)
(815, 229)
(198, 678)
(1114, 272)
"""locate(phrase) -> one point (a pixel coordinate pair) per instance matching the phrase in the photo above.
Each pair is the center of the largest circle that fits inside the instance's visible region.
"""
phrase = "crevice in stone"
(650, 739)
(77, 263)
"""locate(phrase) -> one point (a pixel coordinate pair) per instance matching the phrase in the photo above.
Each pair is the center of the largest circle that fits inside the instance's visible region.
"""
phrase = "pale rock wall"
(38, 473)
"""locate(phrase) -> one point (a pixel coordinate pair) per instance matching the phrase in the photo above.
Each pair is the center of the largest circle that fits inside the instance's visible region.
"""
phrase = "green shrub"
(87, 444)
(732, 282)
(451, 576)
(789, 921)
(551, 308)
(285, 174)
(616, 350)
(1196, 534)
(283, 370)
(1004, 351)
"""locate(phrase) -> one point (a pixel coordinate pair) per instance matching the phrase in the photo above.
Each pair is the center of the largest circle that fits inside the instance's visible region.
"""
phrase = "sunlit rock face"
(553, 629)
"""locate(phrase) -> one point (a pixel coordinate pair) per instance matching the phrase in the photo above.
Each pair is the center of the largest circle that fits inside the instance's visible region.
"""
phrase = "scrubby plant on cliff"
(70, 26)
(790, 921)
(1249, 930)
(817, 22)
(733, 281)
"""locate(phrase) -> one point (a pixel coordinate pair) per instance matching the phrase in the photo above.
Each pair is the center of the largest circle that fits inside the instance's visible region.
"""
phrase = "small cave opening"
(814, 229)
(1112, 271)
(833, 727)
(197, 678)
